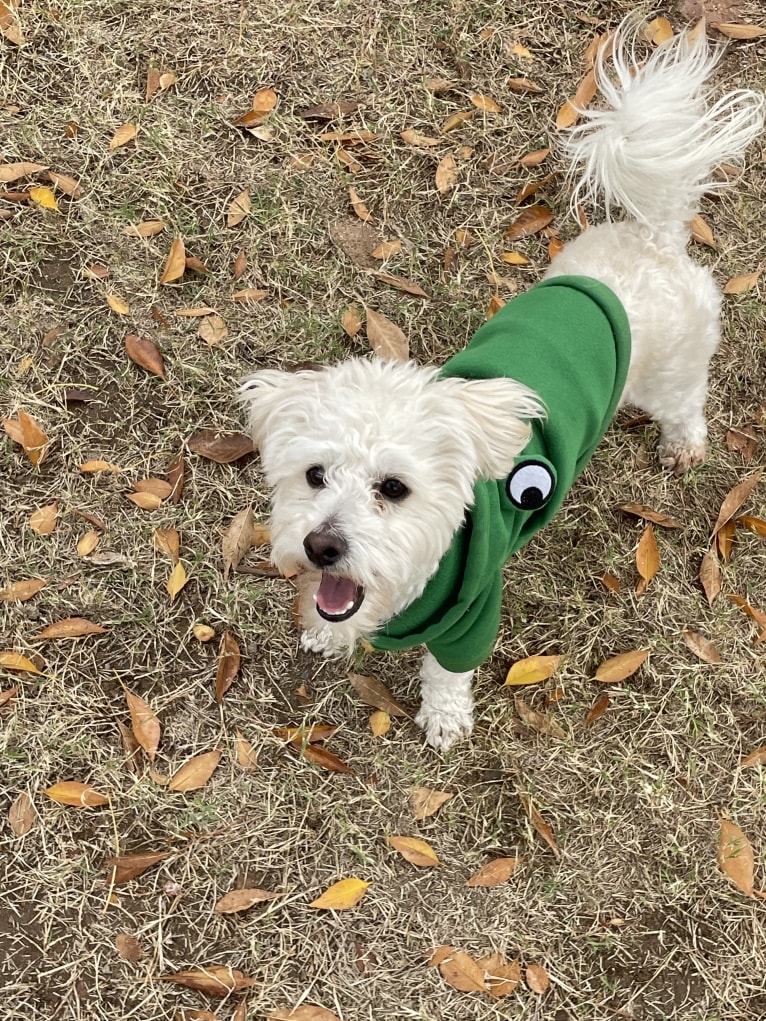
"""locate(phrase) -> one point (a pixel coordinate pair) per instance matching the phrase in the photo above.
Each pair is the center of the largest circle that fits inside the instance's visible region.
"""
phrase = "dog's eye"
(315, 476)
(530, 485)
(393, 489)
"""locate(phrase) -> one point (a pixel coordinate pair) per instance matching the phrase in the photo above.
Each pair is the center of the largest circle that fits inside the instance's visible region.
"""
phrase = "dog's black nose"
(324, 546)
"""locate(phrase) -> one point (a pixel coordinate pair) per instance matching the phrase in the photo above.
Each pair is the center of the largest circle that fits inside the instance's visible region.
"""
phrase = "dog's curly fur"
(357, 426)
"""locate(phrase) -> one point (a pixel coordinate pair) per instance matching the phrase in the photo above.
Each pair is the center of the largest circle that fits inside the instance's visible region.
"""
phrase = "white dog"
(404, 488)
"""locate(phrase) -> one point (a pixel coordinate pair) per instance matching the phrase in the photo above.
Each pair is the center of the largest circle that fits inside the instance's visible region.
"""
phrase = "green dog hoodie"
(568, 340)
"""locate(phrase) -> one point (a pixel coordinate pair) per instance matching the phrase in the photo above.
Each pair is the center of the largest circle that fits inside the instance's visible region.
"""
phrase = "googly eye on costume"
(530, 485)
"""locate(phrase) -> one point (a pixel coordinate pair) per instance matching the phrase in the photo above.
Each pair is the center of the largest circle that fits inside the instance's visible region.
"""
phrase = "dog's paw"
(319, 640)
(679, 459)
(444, 728)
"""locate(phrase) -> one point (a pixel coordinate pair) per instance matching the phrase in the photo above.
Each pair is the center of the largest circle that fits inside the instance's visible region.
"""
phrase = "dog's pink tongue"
(336, 595)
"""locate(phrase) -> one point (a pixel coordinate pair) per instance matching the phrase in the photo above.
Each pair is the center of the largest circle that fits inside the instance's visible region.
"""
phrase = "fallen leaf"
(213, 979)
(191, 262)
(530, 221)
(757, 615)
(647, 559)
(658, 31)
(620, 667)
(425, 802)
(735, 856)
(10, 660)
(175, 265)
(502, 976)
(610, 582)
(736, 497)
(400, 283)
(21, 815)
(146, 501)
(529, 189)
(239, 265)
(124, 134)
(380, 723)
(237, 539)
(755, 758)
(736, 30)
(223, 449)
(456, 119)
(213, 330)
(462, 972)
(144, 352)
(351, 321)
(346, 893)
(357, 137)
(537, 979)
(523, 85)
(710, 574)
(446, 174)
(358, 206)
(514, 258)
(742, 440)
(374, 693)
(229, 658)
(299, 736)
(533, 669)
(702, 647)
(555, 246)
(10, 172)
(249, 294)
(44, 519)
(387, 249)
(178, 578)
(264, 100)
(534, 158)
(9, 694)
(570, 112)
(44, 198)
(539, 823)
(20, 591)
(328, 760)
(144, 724)
(128, 947)
(131, 747)
(752, 524)
(495, 304)
(345, 157)
(540, 722)
(238, 209)
(412, 137)
(724, 538)
(597, 710)
(701, 232)
(328, 111)
(76, 794)
(246, 755)
(145, 229)
(196, 772)
(70, 627)
(385, 338)
(130, 866)
(640, 510)
(88, 542)
(157, 487)
(91, 467)
(240, 900)
(306, 1012)
(27, 432)
(416, 851)
(494, 872)
(486, 103)
(168, 541)
(738, 285)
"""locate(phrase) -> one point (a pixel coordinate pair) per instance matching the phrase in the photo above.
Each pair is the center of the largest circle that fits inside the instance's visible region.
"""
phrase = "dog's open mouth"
(338, 598)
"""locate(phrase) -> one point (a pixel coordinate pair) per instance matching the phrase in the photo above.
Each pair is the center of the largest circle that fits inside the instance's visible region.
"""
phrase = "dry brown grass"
(634, 800)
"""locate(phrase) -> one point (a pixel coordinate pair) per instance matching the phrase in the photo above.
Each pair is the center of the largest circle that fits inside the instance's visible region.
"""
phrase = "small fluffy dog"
(404, 489)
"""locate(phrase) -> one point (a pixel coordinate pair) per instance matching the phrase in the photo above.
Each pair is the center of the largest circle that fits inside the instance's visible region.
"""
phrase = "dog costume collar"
(568, 339)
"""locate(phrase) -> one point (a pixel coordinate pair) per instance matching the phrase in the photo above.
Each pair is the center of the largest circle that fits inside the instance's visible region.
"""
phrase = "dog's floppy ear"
(264, 394)
(493, 415)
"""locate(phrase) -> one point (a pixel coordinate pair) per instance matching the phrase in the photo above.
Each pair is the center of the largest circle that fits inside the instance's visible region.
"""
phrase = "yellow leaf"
(44, 197)
(76, 794)
(380, 723)
(495, 872)
(414, 850)
(203, 632)
(176, 581)
(346, 893)
(33, 438)
(118, 304)
(176, 262)
(659, 30)
(15, 661)
(168, 541)
(514, 258)
(124, 134)
(618, 668)
(88, 542)
(533, 669)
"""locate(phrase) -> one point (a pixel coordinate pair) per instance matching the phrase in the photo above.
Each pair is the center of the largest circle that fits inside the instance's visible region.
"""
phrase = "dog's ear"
(264, 394)
(493, 417)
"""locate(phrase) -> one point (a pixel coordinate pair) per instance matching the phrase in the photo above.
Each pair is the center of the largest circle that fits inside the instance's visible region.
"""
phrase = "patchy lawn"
(633, 918)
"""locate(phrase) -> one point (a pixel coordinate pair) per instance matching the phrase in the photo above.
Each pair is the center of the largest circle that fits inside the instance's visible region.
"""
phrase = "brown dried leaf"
(20, 591)
(144, 724)
(374, 693)
(27, 432)
(146, 501)
(529, 189)
(145, 229)
(537, 979)
(44, 519)
(130, 866)
(98, 466)
(570, 112)
(412, 137)
(486, 103)
(742, 440)
(328, 111)
(755, 758)
(240, 900)
(356, 137)
(168, 541)
(128, 947)
(344, 894)
(736, 30)
(502, 976)
(249, 294)
(755, 525)
(306, 1012)
(533, 669)
(736, 497)
(456, 119)
(539, 823)
(88, 542)
(425, 802)
(324, 758)
(462, 972)
(446, 174)
(415, 850)
(400, 283)
(725, 540)
(387, 249)
(738, 285)
(213, 330)
(494, 872)
(124, 134)
(246, 755)
(239, 265)
(535, 158)
(523, 85)
(157, 487)
(65, 183)
(213, 979)
(70, 627)
(702, 647)
(620, 667)
(385, 338)
(640, 510)
(10, 172)
(76, 794)
(196, 772)
(223, 449)
(757, 615)
(9, 693)
(358, 206)
(175, 265)
(144, 352)
(597, 710)
(735, 856)
(21, 815)
(530, 221)
(701, 232)
(237, 539)
(229, 658)
(239, 208)
(610, 582)
(540, 722)
(647, 559)
(10, 660)
(351, 321)
(380, 723)
(514, 258)
(299, 736)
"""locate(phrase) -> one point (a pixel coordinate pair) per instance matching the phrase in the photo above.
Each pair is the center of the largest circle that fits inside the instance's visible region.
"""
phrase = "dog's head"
(372, 465)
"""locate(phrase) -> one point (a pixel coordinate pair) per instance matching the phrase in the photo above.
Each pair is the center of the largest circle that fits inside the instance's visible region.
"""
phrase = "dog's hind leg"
(446, 711)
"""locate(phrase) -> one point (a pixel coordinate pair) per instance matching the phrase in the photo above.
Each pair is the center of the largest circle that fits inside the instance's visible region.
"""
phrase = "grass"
(634, 919)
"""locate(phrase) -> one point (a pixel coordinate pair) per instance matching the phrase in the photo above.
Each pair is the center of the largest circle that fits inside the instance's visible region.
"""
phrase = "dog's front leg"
(446, 710)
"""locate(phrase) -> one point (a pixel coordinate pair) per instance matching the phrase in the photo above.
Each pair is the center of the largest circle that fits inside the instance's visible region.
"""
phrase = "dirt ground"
(634, 918)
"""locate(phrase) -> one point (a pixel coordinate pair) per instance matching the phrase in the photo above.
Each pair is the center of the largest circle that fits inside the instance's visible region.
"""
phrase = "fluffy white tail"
(653, 151)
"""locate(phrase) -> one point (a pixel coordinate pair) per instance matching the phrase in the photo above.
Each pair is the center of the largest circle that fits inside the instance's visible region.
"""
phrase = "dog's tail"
(654, 150)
